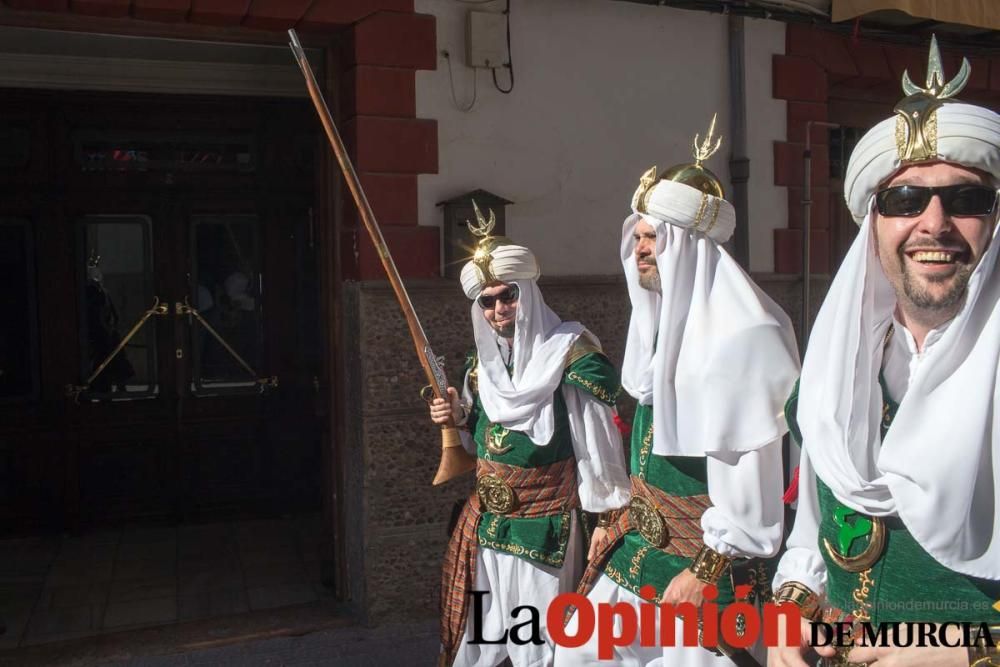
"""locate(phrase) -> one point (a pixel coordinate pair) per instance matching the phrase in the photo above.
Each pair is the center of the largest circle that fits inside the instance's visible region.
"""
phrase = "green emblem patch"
(850, 531)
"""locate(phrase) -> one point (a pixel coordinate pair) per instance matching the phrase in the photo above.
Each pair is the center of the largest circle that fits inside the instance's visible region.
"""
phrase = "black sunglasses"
(964, 199)
(508, 296)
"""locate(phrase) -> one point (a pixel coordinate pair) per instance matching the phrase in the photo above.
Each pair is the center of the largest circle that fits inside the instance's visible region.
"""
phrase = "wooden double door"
(159, 356)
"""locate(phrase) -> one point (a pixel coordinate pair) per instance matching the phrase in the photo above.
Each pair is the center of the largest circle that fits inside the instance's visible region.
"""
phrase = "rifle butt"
(455, 460)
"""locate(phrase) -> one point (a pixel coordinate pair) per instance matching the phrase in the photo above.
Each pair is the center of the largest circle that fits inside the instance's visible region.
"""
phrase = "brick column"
(817, 60)
(390, 146)
(804, 84)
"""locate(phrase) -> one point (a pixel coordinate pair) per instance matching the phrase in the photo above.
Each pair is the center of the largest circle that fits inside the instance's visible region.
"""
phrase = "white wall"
(766, 121)
(603, 91)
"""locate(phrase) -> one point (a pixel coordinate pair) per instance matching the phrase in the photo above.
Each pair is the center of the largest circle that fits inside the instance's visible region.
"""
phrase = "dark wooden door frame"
(58, 196)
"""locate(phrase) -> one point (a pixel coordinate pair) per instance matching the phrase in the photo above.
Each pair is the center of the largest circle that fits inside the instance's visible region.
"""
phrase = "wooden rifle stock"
(454, 459)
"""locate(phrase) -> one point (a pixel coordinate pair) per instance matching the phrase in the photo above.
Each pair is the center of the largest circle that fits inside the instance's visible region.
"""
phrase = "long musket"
(454, 459)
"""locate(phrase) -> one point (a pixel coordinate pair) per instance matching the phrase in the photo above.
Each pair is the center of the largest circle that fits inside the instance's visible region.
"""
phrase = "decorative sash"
(512, 491)
(674, 523)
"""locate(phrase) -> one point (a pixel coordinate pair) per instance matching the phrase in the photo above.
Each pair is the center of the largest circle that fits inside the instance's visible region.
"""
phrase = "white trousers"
(513, 582)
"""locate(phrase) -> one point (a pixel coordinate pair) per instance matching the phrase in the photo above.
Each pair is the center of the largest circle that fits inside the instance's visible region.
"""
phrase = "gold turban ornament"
(689, 195)
(916, 120)
(928, 124)
(694, 174)
(495, 259)
(482, 258)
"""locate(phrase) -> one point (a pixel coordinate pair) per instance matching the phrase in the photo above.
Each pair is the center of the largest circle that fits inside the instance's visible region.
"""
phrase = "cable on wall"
(510, 60)
(451, 83)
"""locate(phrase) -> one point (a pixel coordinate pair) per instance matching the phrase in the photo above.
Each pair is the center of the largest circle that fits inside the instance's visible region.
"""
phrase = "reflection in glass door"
(116, 302)
(227, 284)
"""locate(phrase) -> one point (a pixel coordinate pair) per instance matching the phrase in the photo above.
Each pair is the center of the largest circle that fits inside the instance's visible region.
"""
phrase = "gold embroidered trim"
(518, 550)
(862, 613)
(715, 216)
(647, 444)
(931, 132)
(637, 560)
(614, 575)
(701, 211)
(583, 346)
(595, 389)
(555, 559)
(564, 530)
(900, 136)
(491, 529)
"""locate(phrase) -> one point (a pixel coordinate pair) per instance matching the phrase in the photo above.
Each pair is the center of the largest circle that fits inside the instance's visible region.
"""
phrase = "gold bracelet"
(801, 596)
(709, 565)
(604, 519)
(982, 654)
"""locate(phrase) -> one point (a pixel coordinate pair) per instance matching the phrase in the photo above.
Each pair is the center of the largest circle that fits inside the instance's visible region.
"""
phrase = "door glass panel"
(226, 286)
(18, 324)
(116, 274)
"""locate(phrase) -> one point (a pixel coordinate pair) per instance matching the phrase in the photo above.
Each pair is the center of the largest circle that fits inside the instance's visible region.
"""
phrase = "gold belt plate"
(495, 494)
(648, 522)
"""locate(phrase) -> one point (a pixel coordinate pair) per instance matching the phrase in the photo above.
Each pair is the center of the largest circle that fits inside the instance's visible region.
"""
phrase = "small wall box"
(485, 40)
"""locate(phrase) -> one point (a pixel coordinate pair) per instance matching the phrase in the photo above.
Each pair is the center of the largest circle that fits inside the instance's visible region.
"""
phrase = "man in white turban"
(898, 517)
(538, 411)
(710, 359)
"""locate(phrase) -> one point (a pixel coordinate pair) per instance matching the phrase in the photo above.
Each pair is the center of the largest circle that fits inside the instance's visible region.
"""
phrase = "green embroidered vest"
(635, 562)
(906, 584)
(541, 539)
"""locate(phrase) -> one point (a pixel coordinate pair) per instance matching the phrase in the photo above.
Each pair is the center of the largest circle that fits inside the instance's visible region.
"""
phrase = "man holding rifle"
(537, 408)
(897, 411)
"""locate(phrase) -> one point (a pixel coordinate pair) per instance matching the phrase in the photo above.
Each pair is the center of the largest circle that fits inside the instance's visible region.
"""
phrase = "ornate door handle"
(158, 309)
(181, 309)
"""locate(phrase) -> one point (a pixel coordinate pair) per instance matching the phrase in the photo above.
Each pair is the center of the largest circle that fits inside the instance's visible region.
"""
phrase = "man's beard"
(650, 279)
(505, 331)
(922, 298)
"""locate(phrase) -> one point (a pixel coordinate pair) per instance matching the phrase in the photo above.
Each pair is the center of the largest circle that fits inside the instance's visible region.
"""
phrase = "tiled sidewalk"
(57, 588)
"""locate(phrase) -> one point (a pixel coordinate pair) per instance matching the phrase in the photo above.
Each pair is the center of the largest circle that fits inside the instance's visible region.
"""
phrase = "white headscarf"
(939, 465)
(522, 400)
(714, 355)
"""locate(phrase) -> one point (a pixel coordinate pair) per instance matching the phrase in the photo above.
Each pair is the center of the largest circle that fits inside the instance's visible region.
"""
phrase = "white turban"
(510, 262)
(966, 134)
(684, 206)
(712, 353)
(939, 464)
(519, 397)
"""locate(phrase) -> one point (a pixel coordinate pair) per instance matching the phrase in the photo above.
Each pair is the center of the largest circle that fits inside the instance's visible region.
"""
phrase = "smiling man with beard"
(898, 494)
(928, 255)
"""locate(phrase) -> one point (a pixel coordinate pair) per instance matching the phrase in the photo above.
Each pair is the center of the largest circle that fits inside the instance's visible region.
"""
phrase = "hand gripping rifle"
(454, 459)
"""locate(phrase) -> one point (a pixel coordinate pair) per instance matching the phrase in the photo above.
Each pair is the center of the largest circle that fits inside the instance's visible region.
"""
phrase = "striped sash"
(541, 491)
(682, 515)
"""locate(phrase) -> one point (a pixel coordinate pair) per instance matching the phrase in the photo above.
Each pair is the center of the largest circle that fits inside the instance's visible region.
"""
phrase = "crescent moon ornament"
(495, 436)
(865, 559)
(916, 120)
